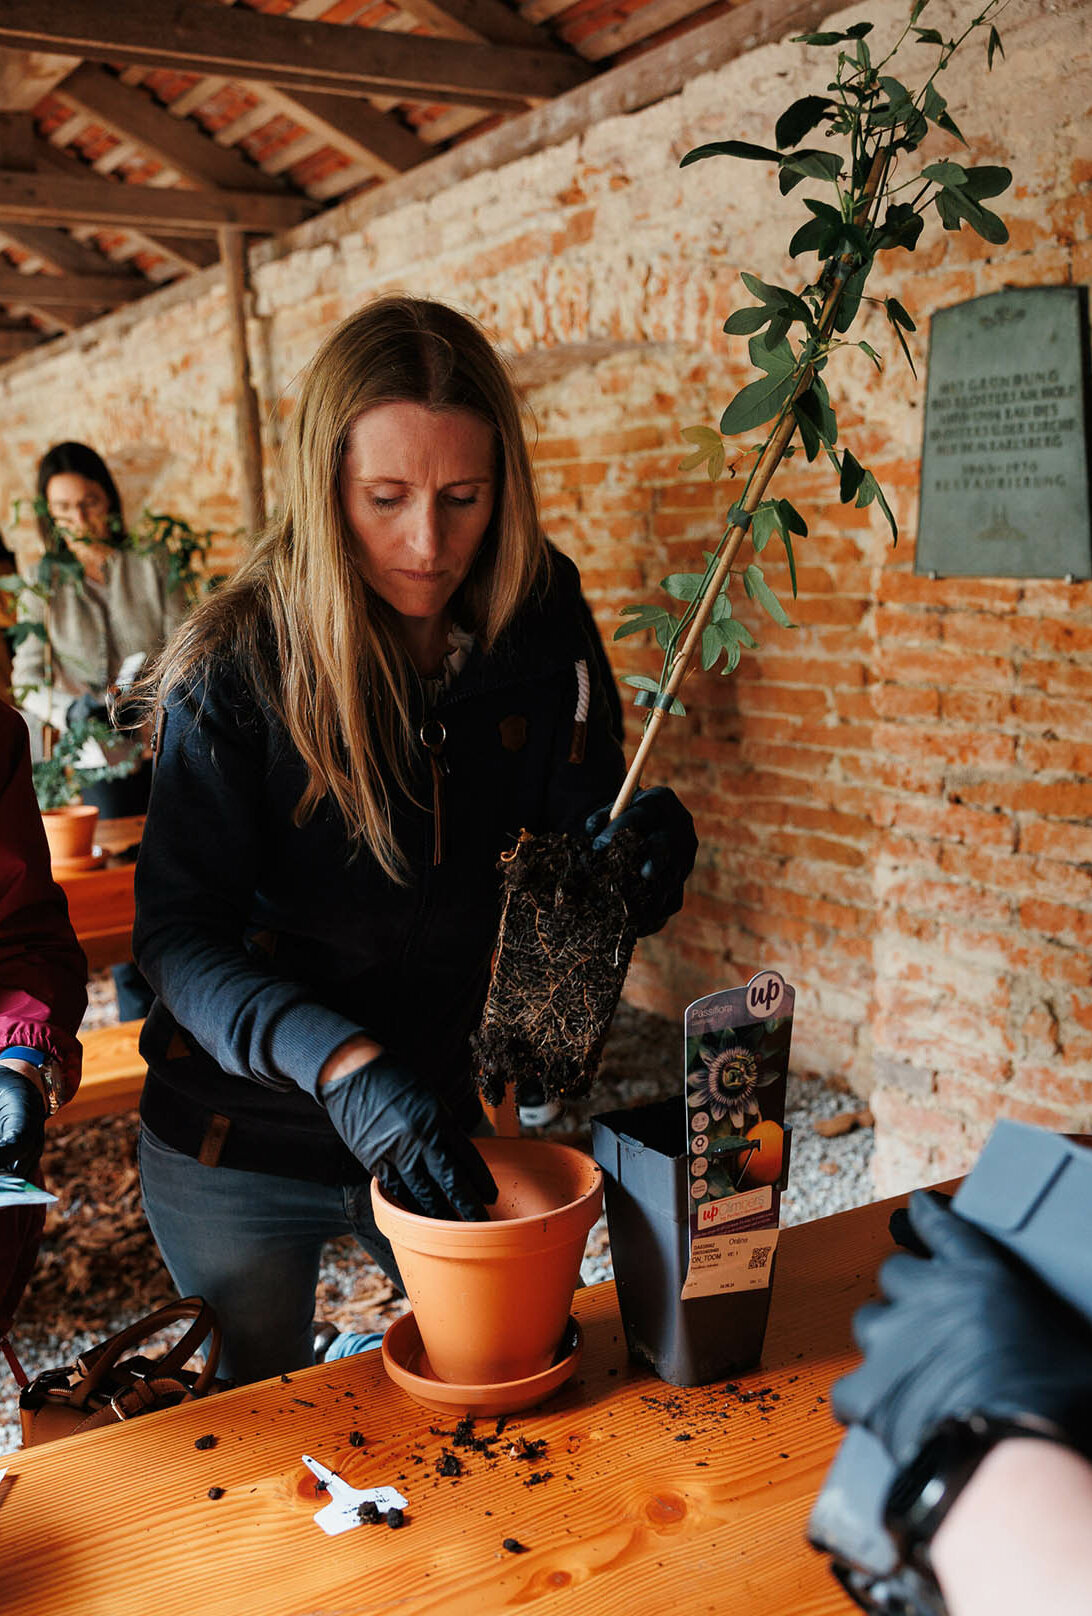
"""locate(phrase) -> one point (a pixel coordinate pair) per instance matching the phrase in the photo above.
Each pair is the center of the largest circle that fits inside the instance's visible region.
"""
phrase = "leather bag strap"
(102, 1359)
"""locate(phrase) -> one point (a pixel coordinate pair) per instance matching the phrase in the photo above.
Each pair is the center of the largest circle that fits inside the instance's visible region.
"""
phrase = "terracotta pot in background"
(492, 1300)
(70, 832)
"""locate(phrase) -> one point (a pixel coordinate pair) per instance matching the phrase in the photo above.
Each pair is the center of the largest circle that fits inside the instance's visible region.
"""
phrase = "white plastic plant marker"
(341, 1514)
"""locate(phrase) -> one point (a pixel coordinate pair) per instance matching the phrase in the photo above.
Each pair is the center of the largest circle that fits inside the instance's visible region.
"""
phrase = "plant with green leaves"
(182, 548)
(60, 778)
(869, 205)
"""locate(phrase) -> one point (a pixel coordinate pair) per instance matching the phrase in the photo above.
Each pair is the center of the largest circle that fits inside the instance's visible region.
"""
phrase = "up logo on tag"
(765, 992)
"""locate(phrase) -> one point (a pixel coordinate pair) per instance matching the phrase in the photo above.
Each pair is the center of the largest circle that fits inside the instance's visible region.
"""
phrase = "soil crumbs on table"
(99, 1269)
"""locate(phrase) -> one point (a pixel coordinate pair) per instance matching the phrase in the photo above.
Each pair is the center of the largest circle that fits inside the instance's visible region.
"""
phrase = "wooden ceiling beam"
(132, 114)
(61, 252)
(356, 128)
(56, 199)
(325, 57)
(13, 343)
(70, 291)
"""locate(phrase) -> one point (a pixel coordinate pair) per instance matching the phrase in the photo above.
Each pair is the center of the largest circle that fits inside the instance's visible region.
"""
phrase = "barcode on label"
(760, 1256)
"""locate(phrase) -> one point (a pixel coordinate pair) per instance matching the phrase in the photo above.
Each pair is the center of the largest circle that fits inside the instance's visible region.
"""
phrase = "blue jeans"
(251, 1243)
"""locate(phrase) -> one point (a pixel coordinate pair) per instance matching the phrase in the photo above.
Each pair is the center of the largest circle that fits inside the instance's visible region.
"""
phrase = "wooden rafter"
(131, 114)
(316, 56)
(190, 253)
(356, 128)
(69, 291)
(56, 199)
(61, 252)
(14, 343)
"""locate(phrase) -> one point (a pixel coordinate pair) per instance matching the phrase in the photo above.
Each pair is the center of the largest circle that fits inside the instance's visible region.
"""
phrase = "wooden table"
(100, 902)
(658, 1499)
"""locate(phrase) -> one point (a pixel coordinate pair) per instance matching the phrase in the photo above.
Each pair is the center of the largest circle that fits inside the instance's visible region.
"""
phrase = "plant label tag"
(736, 1068)
(17, 1192)
(342, 1513)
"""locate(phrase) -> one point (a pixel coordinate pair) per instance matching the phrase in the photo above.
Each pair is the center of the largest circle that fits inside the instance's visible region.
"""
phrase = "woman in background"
(99, 629)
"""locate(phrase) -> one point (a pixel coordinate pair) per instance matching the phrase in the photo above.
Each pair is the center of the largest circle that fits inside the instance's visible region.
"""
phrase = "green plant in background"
(870, 206)
(60, 778)
(182, 548)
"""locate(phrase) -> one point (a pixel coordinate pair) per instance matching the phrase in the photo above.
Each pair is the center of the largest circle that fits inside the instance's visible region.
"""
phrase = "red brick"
(901, 701)
(1059, 922)
(980, 707)
(949, 746)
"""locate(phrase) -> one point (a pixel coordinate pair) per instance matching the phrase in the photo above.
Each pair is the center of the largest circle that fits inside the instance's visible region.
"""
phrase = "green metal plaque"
(1005, 489)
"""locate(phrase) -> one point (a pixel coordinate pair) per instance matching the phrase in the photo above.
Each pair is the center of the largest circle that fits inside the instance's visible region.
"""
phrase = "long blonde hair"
(298, 619)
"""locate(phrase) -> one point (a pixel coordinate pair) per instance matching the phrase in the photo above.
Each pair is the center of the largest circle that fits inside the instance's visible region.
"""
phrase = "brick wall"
(893, 797)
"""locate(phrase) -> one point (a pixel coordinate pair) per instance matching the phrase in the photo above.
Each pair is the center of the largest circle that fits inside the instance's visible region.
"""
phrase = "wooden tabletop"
(658, 1499)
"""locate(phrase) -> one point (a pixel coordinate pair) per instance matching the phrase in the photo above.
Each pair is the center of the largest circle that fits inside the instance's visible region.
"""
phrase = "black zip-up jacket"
(268, 945)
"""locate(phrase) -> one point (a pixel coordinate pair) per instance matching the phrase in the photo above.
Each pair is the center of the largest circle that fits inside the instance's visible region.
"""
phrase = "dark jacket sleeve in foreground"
(199, 865)
(43, 973)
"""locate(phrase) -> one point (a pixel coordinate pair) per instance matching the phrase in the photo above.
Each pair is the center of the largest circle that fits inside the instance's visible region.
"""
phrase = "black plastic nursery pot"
(687, 1343)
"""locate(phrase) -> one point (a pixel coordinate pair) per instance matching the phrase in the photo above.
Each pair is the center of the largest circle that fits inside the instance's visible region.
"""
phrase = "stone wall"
(894, 796)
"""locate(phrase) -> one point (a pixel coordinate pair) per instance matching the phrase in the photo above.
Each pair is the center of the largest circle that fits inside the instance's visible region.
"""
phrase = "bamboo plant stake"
(771, 457)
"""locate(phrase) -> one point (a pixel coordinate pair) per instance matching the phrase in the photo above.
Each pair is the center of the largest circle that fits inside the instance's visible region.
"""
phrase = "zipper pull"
(433, 735)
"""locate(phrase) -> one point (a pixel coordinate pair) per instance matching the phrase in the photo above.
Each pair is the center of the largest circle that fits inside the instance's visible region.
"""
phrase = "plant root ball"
(563, 950)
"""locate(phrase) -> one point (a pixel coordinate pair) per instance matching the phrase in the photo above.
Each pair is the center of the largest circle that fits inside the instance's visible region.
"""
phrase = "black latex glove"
(967, 1330)
(87, 706)
(901, 1229)
(407, 1138)
(669, 846)
(22, 1123)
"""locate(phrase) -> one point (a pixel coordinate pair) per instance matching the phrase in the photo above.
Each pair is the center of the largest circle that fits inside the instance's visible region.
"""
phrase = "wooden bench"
(113, 1074)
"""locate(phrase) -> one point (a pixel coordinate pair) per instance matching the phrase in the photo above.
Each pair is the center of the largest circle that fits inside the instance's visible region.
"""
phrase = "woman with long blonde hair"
(402, 676)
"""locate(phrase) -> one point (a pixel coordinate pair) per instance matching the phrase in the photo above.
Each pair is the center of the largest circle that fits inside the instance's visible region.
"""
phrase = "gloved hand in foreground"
(407, 1138)
(22, 1123)
(967, 1330)
(669, 846)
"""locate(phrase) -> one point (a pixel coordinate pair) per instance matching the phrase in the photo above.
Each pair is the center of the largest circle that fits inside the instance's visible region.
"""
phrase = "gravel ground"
(99, 1268)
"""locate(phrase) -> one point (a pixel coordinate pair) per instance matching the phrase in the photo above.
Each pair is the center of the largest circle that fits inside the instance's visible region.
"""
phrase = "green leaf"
(722, 608)
(945, 174)
(758, 589)
(919, 7)
(711, 647)
(850, 300)
(732, 655)
(808, 165)
(731, 148)
(817, 406)
(870, 490)
(801, 117)
(948, 209)
(735, 630)
(777, 361)
(18, 632)
(858, 30)
(709, 451)
(757, 403)
(819, 39)
(644, 617)
(851, 478)
(901, 227)
(765, 522)
(929, 36)
(899, 321)
(867, 348)
(992, 49)
(809, 435)
(641, 681)
(791, 518)
(683, 585)
(989, 180)
(779, 330)
(742, 322)
(810, 237)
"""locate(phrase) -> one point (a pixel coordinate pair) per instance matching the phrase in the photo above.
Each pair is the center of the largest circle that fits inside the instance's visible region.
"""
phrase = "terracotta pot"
(70, 832)
(492, 1299)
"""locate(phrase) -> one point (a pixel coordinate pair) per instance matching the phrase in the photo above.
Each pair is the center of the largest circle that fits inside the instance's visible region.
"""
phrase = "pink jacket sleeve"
(43, 973)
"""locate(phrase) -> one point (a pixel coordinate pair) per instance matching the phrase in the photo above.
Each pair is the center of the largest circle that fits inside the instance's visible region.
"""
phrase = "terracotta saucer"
(85, 861)
(406, 1362)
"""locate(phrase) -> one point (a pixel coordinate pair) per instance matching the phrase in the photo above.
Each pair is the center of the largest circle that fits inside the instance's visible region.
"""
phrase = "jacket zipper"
(433, 735)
